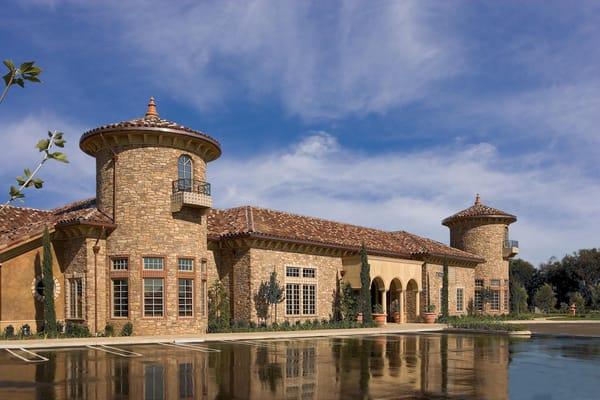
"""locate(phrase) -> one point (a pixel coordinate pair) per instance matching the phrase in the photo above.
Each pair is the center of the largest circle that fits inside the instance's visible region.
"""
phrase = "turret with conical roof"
(483, 230)
(151, 179)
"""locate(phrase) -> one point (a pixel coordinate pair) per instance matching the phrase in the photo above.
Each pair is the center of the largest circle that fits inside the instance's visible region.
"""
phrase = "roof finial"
(151, 113)
(477, 199)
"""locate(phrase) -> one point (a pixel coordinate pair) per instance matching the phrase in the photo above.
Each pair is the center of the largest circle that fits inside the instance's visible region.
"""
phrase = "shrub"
(9, 331)
(127, 329)
(25, 330)
(485, 324)
(74, 329)
(577, 299)
(109, 330)
(545, 298)
(378, 309)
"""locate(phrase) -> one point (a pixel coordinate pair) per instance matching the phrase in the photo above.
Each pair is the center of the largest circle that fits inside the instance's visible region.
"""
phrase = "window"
(186, 297)
(495, 303)
(75, 298)
(292, 272)
(308, 273)
(153, 297)
(120, 292)
(479, 282)
(292, 299)
(495, 282)
(460, 299)
(203, 298)
(186, 264)
(153, 263)
(185, 173)
(120, 264)
(308, 299)
(506, 299)
(477, 301)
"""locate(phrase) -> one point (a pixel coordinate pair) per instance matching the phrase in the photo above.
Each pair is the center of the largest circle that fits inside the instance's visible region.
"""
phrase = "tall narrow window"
(506, 305)
(184, 173)
(75, 298)
(186, 296)
(153, 297)
(308, 299)
(120, 293)
(495, 303)
(478, 300)
(292, 299)
(203, 298)
(460, 299)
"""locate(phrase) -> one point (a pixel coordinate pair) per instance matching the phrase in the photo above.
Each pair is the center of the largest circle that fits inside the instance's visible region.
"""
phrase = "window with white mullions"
(495, 303)
(292, 272)
(292, 299)
(153, 297)
(120, 264)
(120, 292)
(76, 298)
(186, 297)
(186, 264)
(185, 173)
(308, 299)
(460, 299)
(153, 264)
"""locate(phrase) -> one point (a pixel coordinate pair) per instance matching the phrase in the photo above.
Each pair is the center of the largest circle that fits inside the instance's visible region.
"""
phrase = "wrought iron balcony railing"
(192, 186)
(508, 244)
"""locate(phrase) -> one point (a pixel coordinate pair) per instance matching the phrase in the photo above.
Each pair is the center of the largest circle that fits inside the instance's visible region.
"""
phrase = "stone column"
(383, 295)
(401, 303)
(417, 304)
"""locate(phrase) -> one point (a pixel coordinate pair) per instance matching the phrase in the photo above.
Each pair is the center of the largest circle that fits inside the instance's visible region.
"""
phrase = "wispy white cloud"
(416, 190)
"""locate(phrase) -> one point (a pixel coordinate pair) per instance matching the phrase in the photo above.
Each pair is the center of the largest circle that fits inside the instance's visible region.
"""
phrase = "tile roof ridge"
(26, 208)
(74, 204)
(313, 218)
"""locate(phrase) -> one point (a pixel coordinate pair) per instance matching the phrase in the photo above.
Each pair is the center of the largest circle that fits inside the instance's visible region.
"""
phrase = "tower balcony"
(190, 193)
(511, 248)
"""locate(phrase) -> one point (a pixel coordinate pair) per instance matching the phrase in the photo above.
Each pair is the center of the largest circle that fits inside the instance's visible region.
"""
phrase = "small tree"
(365, 283)
(261, 301)
(445, 290)
(577, 299)
(275, 293)
(348, 303)
(218, 306)
(545, 298)
(48, 281)
(518, 298)
(595, 296)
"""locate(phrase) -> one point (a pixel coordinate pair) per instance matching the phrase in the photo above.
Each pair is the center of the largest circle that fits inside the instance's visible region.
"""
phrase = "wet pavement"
(381, 366)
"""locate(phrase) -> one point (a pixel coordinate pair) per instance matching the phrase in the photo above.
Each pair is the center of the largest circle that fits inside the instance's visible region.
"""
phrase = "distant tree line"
(557, 284)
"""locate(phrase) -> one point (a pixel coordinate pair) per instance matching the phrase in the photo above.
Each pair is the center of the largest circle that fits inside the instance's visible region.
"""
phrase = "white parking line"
(114, 350)
(39, 358)
(191, 347)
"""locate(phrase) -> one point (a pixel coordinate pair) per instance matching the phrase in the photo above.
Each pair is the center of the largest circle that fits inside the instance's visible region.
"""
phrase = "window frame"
(163, 297)
(289, 268)
(191, 297)
(184, 182)
(112, 298)
(162, 268)
(73, 296)
(186, 271)
(292, 303)
(495, 300)
(119, 258)
(460, 300)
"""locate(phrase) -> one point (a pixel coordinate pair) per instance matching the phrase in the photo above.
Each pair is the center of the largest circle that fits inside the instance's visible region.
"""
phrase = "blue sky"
(386, 114)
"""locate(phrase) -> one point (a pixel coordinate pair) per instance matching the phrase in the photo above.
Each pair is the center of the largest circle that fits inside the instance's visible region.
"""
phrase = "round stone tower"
(483, 231)
(150, 179)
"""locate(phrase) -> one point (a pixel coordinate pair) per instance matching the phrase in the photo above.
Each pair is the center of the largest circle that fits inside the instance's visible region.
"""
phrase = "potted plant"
(396, 311)
(430, 316)
(359, 318)
(378, 315)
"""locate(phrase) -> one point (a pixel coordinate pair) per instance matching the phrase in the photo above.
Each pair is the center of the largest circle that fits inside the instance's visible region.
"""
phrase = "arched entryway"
(377, 293)
(395, 300)
(412, 301)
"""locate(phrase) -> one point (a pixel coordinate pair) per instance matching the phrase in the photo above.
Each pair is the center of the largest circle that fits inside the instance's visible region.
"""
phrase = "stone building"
(146, 249)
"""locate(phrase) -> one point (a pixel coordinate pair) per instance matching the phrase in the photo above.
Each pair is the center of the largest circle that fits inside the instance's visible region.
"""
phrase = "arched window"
(185, 173)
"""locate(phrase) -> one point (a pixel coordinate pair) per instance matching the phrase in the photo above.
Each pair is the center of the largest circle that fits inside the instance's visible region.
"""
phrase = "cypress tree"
(48, 281)
(365, 285)
(445, 290)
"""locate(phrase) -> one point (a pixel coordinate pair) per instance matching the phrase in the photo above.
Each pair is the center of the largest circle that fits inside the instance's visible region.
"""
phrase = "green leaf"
(58, 156)
(31, 78)
(43, 144)
(27, 172)
(59, 143)
(15, 193)
(25, 66)
(9, 64)
(20, 82)
(21, 180)
(34, 71)
(7, 78)
(38, 183)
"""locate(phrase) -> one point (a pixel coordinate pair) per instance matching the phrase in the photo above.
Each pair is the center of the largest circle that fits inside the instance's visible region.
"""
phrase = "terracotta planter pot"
(429, 317)
(396, 317)
(359, 318)
(379, 319)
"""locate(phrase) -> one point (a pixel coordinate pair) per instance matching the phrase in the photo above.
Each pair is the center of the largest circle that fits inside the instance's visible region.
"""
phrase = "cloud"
(415, 190)
(63, 182)
(322, 60)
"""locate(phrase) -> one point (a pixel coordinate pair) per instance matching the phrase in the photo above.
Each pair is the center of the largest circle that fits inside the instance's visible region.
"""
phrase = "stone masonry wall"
(458, 277)
(148, 228)
(486, 239)
(328, 269)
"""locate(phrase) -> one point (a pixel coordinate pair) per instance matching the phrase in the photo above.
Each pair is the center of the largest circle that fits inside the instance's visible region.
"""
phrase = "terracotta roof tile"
(223, 224)
(479, 210)
(19, 223)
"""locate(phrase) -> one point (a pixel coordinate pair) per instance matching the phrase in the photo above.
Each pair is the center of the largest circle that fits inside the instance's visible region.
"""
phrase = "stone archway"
(412, 301)
(395, 299)
(378, 293)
